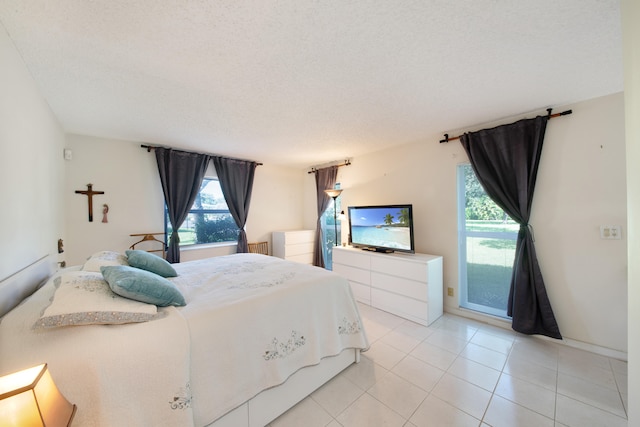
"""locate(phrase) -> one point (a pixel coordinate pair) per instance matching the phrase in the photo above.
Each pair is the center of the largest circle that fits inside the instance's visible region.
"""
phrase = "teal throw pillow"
(143, 286)
(150, 262)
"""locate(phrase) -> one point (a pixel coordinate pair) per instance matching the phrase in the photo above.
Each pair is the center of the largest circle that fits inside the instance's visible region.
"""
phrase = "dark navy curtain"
(236, 182)
(505, 160)
(325, 180)
(181, 174)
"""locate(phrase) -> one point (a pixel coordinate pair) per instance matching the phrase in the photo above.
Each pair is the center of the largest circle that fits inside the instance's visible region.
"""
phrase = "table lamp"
(31, 398)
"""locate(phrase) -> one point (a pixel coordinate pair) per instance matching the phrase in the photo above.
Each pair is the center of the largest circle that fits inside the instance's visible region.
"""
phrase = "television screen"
(385, 228)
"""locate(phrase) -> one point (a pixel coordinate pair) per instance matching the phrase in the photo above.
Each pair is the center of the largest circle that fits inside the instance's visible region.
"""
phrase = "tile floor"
(459, 372)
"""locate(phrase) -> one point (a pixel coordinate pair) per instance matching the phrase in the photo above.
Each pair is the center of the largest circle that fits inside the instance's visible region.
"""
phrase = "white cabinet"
(408, 285)
(295, 245)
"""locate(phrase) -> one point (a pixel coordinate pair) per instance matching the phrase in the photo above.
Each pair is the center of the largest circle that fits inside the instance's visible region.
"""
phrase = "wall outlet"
(450, 292)
(610, 232)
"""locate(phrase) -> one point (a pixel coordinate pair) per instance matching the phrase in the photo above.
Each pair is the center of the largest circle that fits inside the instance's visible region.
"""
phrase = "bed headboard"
(21, 284)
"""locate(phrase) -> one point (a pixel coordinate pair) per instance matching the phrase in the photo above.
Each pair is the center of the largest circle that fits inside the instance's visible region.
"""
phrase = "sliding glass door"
(331, 227)
(486, 245)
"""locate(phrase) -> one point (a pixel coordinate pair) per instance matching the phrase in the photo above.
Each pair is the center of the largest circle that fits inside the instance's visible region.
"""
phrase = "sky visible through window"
(212, 197)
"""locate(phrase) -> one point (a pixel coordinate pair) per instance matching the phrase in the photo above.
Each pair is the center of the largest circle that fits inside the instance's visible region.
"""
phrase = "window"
(209, 220)
(486, 244)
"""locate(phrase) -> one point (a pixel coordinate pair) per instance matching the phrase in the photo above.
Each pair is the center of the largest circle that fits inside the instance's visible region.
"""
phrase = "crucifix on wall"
(89, 193)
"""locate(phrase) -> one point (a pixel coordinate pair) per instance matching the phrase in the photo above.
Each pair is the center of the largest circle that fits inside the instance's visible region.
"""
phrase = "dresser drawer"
(399, 305)
(402, 268)
(298, 249)
(353, 258)
(297, 237)
(399, 285)
(302, 258)
(352, 274)
(361, 292)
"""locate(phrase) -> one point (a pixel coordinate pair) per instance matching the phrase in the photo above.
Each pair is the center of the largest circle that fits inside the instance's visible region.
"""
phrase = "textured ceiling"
(306, 82)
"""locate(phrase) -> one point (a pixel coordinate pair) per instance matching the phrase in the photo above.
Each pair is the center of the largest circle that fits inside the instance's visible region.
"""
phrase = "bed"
(257, 335)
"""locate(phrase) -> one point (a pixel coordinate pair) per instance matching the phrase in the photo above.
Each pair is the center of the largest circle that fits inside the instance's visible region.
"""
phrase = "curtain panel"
(181, 174)
(505, 160)
(236, 181)
(325, 180)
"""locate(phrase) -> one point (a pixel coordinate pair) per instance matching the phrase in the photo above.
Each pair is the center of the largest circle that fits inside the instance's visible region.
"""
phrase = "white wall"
(581, 185)
(128, 175)
(31, 170)
(631, 45)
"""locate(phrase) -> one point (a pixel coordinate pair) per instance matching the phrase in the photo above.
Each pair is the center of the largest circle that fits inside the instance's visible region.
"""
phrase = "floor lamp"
(334, 194)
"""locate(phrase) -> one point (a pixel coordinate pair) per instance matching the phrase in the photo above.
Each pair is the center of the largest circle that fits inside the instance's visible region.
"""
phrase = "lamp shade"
(333, 193)
(31, 398)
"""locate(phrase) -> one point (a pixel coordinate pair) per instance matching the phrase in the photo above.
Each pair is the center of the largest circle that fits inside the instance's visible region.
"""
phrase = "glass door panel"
(487, 242)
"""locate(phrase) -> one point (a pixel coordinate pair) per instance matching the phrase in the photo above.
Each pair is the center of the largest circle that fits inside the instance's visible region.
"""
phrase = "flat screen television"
(384, 228)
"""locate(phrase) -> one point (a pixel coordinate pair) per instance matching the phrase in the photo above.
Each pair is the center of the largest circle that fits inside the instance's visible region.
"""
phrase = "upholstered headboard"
(21, 284)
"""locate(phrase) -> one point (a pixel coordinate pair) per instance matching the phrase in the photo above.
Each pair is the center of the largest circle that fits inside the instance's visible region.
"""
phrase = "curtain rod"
(549, 115)
(151, 147)
(346, 163)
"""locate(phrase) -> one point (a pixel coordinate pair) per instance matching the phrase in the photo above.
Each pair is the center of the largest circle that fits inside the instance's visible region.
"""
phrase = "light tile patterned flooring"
(459, 372)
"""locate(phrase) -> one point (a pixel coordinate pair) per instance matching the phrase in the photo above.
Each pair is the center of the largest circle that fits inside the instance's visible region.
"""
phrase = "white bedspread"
(250, 322)
(113, 373)
(255, 320)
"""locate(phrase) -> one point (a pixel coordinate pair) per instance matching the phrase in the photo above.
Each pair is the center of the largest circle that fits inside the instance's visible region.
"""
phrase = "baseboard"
(506, 324)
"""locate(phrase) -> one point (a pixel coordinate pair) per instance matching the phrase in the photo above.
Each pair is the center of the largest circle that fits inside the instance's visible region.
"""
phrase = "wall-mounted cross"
(89, 193)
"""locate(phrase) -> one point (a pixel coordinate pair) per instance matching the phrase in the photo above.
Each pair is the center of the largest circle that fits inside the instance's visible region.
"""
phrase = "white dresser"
(408, 285)
(294, 245)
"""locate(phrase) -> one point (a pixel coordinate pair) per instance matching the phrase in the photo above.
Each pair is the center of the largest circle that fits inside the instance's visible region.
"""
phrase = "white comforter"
(255, 320)
(113, 373)
(250, 322)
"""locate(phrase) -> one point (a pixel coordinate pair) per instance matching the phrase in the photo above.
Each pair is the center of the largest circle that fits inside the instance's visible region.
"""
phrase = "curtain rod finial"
(446, 138)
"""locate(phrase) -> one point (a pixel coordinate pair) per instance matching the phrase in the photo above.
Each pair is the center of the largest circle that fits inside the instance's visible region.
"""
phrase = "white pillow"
(104, 258)
(85, 298)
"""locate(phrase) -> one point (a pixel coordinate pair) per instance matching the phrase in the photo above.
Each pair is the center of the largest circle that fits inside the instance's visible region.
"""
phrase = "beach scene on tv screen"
(386, 227)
